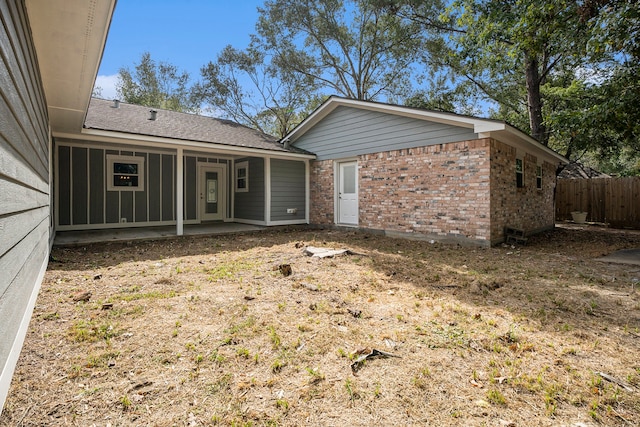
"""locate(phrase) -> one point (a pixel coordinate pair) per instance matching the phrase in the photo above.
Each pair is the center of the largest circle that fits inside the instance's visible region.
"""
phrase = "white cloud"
(107, 86)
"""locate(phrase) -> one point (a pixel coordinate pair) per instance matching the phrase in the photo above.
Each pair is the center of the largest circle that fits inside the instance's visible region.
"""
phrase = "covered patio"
(83, 237)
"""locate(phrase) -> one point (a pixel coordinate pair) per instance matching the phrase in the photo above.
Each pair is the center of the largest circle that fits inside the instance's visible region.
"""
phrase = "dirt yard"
(211, 331)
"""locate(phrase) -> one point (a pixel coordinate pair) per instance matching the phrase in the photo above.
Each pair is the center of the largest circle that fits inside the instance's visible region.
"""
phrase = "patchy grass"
(208, 331)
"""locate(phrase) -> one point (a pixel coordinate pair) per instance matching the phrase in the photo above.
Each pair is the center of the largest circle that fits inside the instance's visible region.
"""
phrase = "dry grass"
(205, 331)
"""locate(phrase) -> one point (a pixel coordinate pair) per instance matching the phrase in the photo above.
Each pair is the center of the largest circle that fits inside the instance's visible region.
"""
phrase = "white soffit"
(69, 38)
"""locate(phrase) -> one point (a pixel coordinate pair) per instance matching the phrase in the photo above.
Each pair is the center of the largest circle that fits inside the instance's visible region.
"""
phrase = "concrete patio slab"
(625, 256)
(75, 238)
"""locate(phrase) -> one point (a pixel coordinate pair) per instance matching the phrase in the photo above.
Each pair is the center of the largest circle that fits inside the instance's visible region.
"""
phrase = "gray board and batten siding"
(348, 132)
(250, 205)
(25, 225)
(288, 189)
(84, 202)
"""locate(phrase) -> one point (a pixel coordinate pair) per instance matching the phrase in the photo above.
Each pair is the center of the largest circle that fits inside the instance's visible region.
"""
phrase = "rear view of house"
(425, 174)
(130, 166)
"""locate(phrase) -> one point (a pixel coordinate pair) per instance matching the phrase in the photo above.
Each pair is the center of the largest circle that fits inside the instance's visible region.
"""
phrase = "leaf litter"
(204, 331)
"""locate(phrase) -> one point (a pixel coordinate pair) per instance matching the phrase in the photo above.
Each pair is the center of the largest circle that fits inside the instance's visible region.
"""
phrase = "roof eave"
(478, 125)
(155, 141)
(512, 134)
(69, 38)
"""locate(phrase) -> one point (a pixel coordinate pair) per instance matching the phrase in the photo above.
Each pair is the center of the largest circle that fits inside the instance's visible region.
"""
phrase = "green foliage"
(351, 48)
(158, 85)
(566, 71)
(247, 87)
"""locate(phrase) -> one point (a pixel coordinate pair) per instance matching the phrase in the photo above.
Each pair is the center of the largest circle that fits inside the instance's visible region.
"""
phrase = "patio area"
(83, 237)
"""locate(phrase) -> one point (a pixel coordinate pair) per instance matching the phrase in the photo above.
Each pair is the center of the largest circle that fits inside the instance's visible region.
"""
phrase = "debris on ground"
(615, 381)
(309, 286)
(285, 269)
(316, 252)
(373, 354)
(83, 296)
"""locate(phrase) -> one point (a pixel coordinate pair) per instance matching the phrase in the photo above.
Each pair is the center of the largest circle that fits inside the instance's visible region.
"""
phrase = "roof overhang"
(69, 38)
(521, 140)
(485, 128)
(94, 135)
(478, 125)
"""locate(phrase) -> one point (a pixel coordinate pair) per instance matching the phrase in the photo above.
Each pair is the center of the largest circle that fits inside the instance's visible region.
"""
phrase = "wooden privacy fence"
(613, 201)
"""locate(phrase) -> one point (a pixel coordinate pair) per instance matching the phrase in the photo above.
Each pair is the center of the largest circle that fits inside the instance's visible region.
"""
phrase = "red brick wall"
(527, 208)
(321, 192)
(464, 191)
(440, 191)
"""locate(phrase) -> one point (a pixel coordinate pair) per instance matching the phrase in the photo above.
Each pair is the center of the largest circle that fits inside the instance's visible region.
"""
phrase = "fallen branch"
(374, 354)
(616, 381)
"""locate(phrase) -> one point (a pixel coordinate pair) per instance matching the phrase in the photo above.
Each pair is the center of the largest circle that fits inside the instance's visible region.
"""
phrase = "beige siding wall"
(24, 184)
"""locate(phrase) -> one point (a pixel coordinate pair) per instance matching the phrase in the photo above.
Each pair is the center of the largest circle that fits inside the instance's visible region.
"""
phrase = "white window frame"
(112, 159)
(241, 166)
(521, 173)
(539, 177)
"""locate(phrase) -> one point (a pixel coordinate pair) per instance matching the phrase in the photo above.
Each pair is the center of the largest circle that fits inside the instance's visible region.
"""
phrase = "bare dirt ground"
(209, 331)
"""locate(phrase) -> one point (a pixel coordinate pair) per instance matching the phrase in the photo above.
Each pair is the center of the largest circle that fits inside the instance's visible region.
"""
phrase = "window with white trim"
(242, 177)
(125, 173)
(519, 173)
(539, 177)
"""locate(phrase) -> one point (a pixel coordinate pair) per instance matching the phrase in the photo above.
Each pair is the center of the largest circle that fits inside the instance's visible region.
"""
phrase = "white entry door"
(348, 193)
(211, 192)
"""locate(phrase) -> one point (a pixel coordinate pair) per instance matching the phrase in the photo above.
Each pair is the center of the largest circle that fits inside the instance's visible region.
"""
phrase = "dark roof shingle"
(134, 119)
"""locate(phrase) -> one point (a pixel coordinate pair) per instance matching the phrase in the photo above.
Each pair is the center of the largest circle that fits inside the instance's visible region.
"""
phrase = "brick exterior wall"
(527, 207)
(463, 191)
(441, 191)
(321, 192)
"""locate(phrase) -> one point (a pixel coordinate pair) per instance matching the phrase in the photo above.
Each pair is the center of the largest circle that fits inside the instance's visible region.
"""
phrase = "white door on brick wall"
(348, 193)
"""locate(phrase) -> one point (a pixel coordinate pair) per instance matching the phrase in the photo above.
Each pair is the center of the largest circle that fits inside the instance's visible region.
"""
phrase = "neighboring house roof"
(133, 119)
(483, 127)
(575, 170)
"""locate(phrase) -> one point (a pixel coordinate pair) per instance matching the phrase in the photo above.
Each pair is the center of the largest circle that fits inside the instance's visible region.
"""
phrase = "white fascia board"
(519, 139)
(160, 142)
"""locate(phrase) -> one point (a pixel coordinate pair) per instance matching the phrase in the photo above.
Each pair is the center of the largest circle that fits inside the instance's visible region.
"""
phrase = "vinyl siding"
(250, 205)
(287, 189)
(24, 185)
(348, 132)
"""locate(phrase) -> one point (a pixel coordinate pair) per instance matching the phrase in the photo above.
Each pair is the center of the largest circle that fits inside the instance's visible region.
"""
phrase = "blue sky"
(185, 33)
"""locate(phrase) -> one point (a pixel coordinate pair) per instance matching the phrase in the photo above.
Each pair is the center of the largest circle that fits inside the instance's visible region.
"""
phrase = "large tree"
(244, 86)
(346, 47)
(156, 84)
(508, 49)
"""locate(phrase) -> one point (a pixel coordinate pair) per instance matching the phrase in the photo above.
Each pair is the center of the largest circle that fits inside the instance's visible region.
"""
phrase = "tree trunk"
(534, 101)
